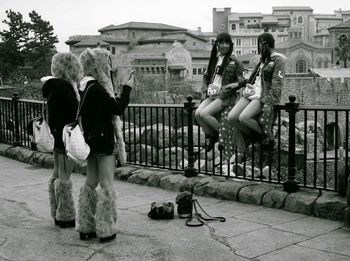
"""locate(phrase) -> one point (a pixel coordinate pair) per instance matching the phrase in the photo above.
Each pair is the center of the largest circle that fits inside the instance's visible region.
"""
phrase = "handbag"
(189, 208)
(42, 137)
(184, 204)
(161, 210)
(73, 138)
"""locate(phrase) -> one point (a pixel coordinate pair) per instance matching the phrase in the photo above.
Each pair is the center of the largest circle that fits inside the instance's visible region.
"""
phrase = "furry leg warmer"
(52, 197)
(86, 210)
(106, 213)
(64, 198)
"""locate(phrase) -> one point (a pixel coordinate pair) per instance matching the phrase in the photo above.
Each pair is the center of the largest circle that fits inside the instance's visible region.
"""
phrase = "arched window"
(319, 63)
(301, 66)
(233, 27)
(300, 19)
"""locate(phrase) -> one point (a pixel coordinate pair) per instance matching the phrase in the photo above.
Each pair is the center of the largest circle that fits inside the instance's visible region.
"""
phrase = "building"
(305, 38)
(150, 49)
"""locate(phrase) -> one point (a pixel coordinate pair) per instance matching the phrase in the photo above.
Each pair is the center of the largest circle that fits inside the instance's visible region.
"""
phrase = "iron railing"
(311, 145)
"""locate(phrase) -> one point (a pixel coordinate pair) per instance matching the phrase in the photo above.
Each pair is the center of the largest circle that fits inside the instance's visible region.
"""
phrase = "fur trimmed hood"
(97, 64)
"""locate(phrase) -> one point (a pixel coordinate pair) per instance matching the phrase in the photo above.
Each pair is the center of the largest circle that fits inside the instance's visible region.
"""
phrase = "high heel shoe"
(107, 239)
(85, 236)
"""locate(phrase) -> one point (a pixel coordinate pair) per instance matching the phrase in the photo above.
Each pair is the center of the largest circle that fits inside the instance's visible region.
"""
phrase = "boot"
(86, 223)
(52, 199)
(106, 214)
(65, 212)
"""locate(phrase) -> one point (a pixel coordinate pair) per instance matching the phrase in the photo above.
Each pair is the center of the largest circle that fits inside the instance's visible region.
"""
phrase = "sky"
(77, 17)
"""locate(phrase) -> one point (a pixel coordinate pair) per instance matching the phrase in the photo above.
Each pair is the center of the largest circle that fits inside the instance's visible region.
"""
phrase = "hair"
(265, 48)
(223, 37)
(67, 66)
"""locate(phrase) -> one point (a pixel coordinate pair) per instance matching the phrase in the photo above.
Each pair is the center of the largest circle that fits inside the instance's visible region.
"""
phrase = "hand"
(131, 80)
(266, 108)
(248, 91)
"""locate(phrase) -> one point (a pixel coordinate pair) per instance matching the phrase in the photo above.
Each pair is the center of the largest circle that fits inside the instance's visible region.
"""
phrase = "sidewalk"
(250, 232)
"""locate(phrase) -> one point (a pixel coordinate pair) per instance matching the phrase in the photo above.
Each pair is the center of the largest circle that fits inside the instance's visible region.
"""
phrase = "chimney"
(199, 29)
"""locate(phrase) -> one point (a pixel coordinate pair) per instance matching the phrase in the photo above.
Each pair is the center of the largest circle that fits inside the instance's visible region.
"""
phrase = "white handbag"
(74, 143)
(73, 138)
(42, 136)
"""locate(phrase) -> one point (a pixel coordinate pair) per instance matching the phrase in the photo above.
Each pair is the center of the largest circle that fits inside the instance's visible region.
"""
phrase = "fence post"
(190, 171)
(347, 209)
(291, 185)
(15, 98)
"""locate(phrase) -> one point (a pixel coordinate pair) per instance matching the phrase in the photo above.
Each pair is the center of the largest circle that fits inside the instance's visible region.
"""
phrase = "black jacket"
(96, 116)
(62, 106)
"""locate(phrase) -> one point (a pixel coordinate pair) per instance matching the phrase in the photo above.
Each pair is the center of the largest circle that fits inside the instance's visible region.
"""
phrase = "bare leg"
(207, 115)
(246, 117)
(233, 116)
(198, 113)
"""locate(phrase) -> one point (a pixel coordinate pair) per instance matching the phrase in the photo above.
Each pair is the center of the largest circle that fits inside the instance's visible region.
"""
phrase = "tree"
(12, 43)
(41, 45)
(343, 48)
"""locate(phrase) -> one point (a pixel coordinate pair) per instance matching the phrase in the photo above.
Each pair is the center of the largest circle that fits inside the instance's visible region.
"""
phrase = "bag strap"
(81, 102)
(199, 217)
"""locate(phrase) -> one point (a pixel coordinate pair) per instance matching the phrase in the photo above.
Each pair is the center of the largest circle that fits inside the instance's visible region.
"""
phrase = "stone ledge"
(329, 205)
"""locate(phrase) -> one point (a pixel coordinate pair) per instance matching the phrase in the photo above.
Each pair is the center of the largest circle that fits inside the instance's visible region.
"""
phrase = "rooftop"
(142, 25)
(287, 8)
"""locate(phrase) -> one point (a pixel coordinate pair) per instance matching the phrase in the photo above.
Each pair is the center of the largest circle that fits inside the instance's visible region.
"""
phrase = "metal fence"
(311, 143)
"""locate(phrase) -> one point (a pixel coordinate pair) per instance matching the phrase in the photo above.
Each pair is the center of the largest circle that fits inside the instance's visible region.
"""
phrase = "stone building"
(150, 49)
(293, 27)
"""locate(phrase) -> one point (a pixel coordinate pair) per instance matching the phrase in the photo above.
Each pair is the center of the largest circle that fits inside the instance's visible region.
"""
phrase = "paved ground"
(250, 233)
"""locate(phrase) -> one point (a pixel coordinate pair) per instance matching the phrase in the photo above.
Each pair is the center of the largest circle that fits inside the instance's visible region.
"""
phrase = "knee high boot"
(52, 198)
(106, 214)
(65, 213)
(86, 223)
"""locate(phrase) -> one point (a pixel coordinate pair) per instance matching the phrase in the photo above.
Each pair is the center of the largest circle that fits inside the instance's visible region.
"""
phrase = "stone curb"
(308, 202)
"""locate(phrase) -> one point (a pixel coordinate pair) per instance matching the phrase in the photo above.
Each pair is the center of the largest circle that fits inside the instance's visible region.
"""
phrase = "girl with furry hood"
(222, 79)
(59, 89)
(97, 211)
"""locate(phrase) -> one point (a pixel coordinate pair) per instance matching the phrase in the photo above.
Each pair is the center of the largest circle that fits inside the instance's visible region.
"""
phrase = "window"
(239, 52)
(193, 43)
(133, 35)
(238, 42)
(233, 27)
(113, 50)
(301, 66)
(254, 21)
(300, 19)
(212, 42)
(319, 63)
(107, 48)
(254, 51)
(222, 26)
(248, 21)
(199, 71)
(254, 41)
(194, 71)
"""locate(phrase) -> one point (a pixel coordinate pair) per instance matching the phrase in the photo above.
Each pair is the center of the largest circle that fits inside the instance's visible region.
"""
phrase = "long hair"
(223, 37)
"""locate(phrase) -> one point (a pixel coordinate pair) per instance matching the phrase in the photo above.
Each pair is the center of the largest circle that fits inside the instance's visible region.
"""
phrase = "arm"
(118, 105)
(273, 96)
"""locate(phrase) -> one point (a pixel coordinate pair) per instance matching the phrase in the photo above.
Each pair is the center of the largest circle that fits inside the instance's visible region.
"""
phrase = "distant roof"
(91, 42)
(345, 25)
(269, 19)
(91, 39)
(327, 17)
(142, 25)
(286, 8)
(331, 72)
(161, 40)
(293, 42)
(237, 16)
(188, 33)
(199, 54)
